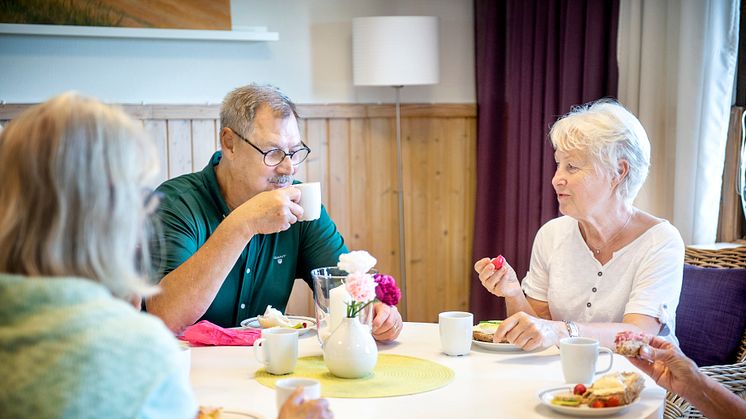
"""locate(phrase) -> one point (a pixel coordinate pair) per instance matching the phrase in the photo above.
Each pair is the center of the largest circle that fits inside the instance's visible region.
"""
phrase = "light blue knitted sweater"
(69, 349)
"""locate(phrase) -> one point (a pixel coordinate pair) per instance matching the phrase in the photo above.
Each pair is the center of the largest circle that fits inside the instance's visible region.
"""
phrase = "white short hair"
(607, 132)
(73, 172)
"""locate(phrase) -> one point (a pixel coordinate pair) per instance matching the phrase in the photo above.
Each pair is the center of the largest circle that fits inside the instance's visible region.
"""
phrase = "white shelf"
(247, 35)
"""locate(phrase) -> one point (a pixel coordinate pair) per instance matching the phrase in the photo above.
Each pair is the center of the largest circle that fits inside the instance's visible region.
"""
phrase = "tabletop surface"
(487, 384)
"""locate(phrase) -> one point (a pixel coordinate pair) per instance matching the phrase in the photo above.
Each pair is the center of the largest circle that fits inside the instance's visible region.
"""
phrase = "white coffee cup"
(285, 387)
(579, 356)
(277, 349)
(455, 332)
(184, 358)
(310, 200)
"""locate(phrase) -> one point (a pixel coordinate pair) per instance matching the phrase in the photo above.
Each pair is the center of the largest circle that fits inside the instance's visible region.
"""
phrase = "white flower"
(356, 261)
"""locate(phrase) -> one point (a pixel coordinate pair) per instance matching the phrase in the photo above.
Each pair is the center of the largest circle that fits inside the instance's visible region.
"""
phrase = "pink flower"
(361, 287)
(387, 292)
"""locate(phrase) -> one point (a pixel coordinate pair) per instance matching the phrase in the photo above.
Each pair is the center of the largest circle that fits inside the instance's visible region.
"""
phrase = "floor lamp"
(396, 51)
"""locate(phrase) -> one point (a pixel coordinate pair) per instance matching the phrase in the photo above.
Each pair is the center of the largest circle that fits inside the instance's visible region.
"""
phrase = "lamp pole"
(400, 172)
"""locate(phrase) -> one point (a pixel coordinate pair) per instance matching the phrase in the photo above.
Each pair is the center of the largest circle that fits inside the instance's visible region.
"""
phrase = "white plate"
(498, 347)
(546, 397)
(253, 323)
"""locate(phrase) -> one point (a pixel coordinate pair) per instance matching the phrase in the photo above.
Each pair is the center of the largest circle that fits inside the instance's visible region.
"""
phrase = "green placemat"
(394, 375)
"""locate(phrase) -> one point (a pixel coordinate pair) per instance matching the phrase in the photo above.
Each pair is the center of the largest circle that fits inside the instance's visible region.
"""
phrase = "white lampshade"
(395, 50)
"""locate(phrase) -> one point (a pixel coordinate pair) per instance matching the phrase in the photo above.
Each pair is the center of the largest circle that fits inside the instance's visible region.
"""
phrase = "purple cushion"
(711, 316)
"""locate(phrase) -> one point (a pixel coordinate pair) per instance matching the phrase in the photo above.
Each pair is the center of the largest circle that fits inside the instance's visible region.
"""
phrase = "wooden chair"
(732, 376)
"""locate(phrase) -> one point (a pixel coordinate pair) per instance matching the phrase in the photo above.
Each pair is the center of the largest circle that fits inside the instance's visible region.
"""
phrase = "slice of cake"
(615, 389)
(629, 343)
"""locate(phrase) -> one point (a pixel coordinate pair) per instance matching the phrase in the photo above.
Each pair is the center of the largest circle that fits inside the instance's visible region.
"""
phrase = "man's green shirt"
(192, 208)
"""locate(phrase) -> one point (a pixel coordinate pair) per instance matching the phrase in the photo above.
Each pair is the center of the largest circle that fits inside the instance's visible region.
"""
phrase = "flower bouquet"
(344, 295)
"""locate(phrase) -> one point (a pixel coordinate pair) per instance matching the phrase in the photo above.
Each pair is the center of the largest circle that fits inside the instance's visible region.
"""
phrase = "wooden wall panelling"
(338, 181)
(380, 205)
(360, 170)
(179, 147)
(203, 142)
(159, 134)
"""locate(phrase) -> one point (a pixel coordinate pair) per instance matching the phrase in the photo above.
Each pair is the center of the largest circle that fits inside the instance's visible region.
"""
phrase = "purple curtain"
(535, 59)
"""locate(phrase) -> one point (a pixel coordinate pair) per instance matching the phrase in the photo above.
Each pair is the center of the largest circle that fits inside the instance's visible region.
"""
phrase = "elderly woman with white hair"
(604, 266)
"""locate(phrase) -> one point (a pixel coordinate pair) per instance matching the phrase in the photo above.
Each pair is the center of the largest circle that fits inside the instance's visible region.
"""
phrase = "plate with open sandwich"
(483, 333)
(274, 318)
(609, 395)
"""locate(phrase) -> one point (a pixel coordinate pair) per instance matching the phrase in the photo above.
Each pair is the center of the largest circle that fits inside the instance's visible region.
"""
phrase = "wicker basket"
(731, 376)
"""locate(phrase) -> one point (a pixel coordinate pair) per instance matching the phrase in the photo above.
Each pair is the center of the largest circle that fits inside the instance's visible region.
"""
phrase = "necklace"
(598, 250)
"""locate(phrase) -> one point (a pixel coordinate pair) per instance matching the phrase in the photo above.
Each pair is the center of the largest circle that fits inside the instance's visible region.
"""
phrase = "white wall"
(311, 62)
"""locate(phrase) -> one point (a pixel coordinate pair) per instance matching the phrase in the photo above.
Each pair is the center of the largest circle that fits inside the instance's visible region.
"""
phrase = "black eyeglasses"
(275, 156)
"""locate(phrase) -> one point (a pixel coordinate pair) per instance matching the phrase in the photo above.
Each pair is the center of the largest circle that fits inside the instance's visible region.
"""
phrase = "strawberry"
(579, 389)
(613, 401)
(597, 404)
(498, 262)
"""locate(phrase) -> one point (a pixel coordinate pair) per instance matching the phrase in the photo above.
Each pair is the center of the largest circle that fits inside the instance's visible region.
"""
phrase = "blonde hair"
(73, 172)
(241, 104)
(607, 132)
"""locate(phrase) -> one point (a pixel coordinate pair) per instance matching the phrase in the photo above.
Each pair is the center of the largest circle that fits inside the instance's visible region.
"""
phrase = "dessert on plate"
(610, 390)
(206, 412)
(623, 387)
(630, 343)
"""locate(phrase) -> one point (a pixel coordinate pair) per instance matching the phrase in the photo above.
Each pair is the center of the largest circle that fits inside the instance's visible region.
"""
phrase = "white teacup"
(184, 357)
(455, 332)
(579, 356)
(277, 349)
(285, 387)
(310, 200)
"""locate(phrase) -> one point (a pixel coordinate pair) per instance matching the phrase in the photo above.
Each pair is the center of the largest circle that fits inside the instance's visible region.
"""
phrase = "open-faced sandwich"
(629, 343)
(485, 330)
(611, 390)
(615, 389)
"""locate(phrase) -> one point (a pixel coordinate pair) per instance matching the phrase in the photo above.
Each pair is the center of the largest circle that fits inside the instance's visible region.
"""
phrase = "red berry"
(597, 403)
(579, 389)
(498, 262)
(613, 401)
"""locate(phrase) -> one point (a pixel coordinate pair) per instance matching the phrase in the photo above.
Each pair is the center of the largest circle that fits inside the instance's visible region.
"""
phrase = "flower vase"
(350, 351)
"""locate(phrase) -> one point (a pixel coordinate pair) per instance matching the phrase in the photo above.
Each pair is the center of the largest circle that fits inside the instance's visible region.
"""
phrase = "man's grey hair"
(608, 133)
(241, 104)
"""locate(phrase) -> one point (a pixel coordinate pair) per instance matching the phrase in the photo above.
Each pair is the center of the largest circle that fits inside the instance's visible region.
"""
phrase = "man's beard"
(281, 180)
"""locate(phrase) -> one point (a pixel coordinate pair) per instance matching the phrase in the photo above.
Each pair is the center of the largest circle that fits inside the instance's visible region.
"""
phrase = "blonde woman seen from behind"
(71, 229)
(75, 208)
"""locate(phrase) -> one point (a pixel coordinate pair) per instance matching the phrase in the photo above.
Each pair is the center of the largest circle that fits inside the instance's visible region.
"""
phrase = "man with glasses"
(231, 241)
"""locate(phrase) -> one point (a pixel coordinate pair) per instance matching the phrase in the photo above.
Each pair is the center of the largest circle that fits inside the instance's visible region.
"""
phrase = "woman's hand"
(668, 366)
(502, 282)
(529, 332)
(295, 407)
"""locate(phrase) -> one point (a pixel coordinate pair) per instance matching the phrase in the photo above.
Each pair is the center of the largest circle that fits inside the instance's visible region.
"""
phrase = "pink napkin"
(205, 333)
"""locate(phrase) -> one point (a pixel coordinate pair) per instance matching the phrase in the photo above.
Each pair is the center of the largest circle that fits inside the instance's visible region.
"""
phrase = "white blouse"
(643, 277)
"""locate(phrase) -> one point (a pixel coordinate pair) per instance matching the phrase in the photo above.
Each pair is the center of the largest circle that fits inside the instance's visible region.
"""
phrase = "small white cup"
(277, 349)
(455, 332)
(185, 359)
(579, 356)
(285, 387)
(310, 200)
